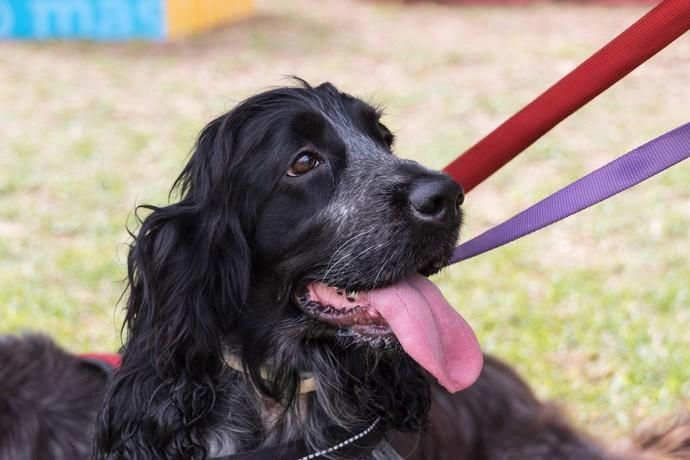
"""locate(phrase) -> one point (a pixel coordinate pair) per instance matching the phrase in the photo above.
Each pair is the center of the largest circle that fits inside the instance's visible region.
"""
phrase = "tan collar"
(306, 384)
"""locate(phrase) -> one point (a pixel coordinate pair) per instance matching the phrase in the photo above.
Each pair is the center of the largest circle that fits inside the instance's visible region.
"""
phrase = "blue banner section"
(87, 19)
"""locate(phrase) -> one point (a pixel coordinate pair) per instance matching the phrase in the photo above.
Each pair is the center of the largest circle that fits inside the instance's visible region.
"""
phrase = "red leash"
(649, 35)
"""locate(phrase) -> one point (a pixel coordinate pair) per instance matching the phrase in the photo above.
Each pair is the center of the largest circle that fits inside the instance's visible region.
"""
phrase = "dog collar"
(354, 446)
(307, 383)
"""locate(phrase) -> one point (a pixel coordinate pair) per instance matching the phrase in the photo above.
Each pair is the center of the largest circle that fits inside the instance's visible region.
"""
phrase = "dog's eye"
(304, 163)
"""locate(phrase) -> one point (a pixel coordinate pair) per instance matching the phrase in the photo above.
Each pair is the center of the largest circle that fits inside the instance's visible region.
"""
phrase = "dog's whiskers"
(349, 258)
(342, 247)
(383, 266)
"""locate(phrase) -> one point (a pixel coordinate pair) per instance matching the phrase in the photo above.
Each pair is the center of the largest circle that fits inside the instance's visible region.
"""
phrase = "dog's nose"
(436, 200)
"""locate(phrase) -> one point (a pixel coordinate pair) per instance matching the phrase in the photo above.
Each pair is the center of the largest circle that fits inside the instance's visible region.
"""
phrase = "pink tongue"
(430, 330)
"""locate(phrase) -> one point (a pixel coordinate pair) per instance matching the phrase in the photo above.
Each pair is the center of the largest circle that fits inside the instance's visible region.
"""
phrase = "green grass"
(594, 311)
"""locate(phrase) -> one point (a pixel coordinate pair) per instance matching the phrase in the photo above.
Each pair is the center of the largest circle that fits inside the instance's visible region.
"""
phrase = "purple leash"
(630, 169)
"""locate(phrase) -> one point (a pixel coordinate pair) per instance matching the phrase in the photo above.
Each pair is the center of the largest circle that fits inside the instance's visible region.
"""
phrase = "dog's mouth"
(412, 310)
(340, 308)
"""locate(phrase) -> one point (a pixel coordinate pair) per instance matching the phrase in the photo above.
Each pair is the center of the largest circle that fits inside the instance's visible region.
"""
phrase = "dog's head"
(342, 215)
(294, 212)
(298, 234)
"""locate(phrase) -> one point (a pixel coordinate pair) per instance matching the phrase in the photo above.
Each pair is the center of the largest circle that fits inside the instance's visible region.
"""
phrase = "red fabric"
(663, 24)
(113, 359)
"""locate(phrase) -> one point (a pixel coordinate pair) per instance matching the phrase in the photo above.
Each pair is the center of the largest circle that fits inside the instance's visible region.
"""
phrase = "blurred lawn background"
(593, 311)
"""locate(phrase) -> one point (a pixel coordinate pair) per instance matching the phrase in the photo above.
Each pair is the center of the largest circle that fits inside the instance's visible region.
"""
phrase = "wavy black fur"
(48, 400)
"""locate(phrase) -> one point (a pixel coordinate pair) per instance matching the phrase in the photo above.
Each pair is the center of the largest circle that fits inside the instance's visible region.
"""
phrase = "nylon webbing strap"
(663, 24)
(622, 173)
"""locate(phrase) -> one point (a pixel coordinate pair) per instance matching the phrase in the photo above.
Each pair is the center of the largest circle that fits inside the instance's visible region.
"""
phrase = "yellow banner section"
(186, 17)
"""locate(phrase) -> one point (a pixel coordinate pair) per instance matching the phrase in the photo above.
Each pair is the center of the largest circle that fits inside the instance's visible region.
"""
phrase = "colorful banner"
(115, 19)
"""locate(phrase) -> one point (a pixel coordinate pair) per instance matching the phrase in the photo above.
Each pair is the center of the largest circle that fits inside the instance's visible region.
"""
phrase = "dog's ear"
(189, 265)
(188, 273)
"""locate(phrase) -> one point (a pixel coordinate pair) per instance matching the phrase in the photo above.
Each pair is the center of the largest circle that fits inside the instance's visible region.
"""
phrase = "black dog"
(281, 306)
(294, 214)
